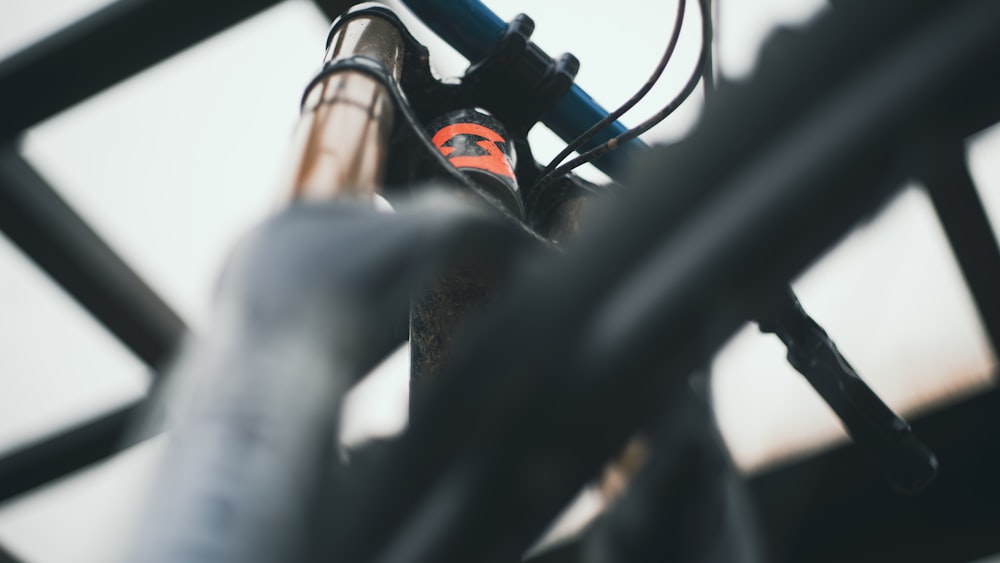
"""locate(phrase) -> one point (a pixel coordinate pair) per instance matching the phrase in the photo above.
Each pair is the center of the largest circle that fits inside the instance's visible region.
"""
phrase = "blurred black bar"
(964, 220)
(6, 557)
(35, 218)
(59, 455)
(103, 49)
(686, 501)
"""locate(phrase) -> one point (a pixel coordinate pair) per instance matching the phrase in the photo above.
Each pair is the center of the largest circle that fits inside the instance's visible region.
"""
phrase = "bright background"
(173, 165)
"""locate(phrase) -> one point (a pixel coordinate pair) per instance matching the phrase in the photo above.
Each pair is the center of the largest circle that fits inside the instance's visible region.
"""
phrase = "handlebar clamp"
(518, 81)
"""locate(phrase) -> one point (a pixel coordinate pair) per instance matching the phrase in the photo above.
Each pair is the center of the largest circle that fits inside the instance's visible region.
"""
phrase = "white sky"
(172, 166)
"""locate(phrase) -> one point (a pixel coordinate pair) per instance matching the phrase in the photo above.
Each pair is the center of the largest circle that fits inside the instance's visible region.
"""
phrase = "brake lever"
(884, 436)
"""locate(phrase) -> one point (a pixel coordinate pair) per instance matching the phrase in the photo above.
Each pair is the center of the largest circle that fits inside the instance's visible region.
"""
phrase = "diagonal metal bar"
(104, 48)
(35, 218)
(7, 557)
(957, 203)
(59, 455)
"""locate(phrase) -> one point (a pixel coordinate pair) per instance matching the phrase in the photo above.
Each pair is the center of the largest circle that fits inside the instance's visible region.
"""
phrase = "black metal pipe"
(7, 557)
(64, 452)
(37, 220)
(972, 239)
(103, 49)
(49, 231)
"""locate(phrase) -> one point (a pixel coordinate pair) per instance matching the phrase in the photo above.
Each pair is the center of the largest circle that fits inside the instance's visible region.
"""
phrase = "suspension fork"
(341, 143)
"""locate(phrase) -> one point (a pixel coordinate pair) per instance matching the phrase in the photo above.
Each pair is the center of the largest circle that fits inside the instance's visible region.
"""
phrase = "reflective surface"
(341, 142)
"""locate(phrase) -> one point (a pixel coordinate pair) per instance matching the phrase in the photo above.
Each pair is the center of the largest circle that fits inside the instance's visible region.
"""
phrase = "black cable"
(708, 71)
(697, 75)
(640, 94)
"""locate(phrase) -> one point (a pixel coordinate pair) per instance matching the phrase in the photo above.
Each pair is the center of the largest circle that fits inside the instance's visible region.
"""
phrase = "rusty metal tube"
(342, 138)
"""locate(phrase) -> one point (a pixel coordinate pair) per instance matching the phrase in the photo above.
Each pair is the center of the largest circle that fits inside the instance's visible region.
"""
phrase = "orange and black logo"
(472, 145)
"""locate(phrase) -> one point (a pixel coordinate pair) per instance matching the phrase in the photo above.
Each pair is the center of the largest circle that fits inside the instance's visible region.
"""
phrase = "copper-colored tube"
(342, 138)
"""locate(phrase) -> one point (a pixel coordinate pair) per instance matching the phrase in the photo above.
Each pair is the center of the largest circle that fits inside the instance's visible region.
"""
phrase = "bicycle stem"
(474, 30)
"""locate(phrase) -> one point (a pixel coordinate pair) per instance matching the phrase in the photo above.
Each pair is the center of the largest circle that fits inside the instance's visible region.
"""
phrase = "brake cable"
(631, 102)
(615, 142)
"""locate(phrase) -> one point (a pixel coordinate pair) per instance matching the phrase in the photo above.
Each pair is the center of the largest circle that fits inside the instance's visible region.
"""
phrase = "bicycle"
(806, 144)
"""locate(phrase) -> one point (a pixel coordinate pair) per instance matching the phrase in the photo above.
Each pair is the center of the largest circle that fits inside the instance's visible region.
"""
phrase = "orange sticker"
(489, 158)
